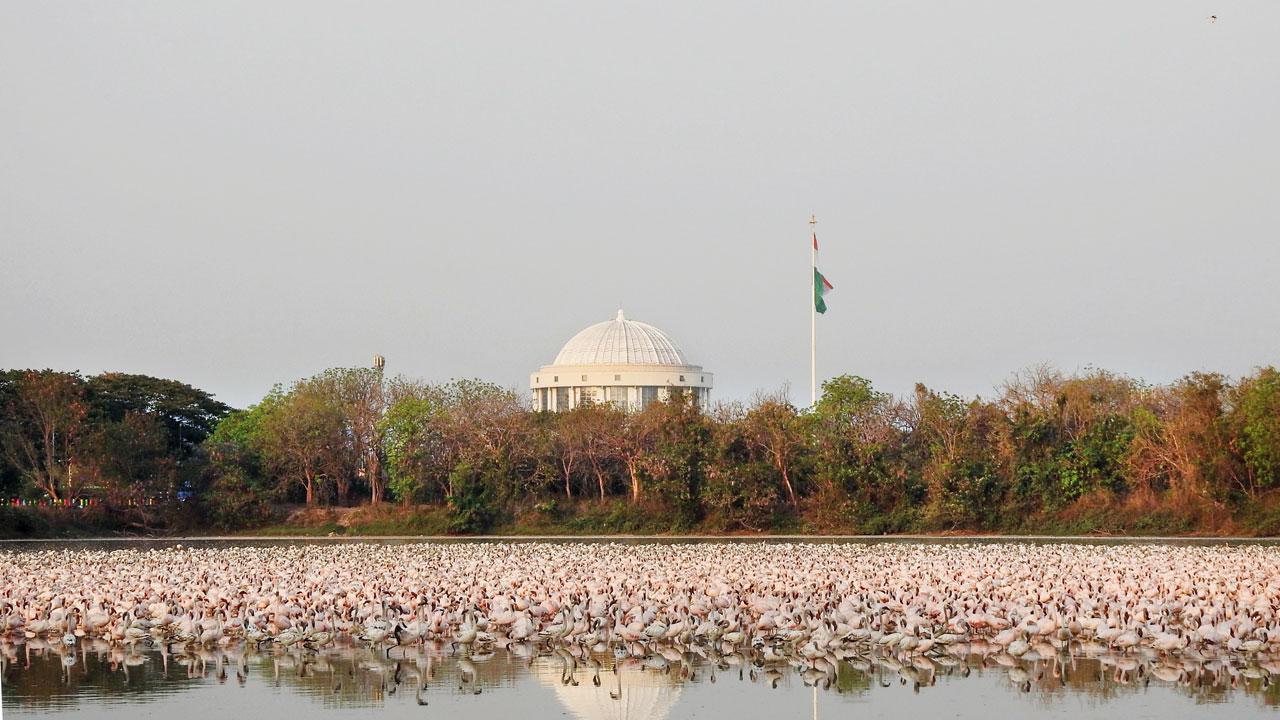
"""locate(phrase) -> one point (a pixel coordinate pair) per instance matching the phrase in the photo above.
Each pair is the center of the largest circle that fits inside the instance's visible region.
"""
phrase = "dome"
(620, 342)
(624, 363)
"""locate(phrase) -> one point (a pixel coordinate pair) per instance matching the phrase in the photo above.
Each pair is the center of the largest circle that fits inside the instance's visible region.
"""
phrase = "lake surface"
(431, 681)
(93, 678)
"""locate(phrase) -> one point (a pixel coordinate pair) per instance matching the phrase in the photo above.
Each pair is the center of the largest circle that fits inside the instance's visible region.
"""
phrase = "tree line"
(127, 440)
(1047, 447)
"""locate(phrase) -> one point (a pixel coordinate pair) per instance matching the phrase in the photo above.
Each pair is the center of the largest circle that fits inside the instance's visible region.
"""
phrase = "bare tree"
(588, 433)
(772, 427)
(361, 395)
(632, 439)
(305, 437)
(42, 424)
(480, 423)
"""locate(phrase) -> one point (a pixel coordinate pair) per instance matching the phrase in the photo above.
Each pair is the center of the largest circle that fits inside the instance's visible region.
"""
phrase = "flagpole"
(813, 311)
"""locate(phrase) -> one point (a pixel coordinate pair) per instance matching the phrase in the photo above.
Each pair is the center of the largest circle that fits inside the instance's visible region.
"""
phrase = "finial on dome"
(621, 317)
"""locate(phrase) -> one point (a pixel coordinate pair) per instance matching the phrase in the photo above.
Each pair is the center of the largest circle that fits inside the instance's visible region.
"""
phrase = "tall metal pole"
(813, 311)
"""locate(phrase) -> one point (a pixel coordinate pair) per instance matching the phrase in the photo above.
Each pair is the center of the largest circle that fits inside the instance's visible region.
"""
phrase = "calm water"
(97, 680)
(352, 682)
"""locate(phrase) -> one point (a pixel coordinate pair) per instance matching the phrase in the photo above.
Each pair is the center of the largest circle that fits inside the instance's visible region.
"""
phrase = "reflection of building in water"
(631, 694)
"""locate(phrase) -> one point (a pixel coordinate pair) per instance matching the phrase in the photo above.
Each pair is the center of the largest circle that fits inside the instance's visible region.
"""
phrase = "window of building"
(588, 395)
(562, 398)
(617, 378)
(681, 378)
(648, 396)
(555, 378)
(616, 395)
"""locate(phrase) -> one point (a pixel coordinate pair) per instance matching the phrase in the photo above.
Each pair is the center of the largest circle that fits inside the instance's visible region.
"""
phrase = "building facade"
(623, 362)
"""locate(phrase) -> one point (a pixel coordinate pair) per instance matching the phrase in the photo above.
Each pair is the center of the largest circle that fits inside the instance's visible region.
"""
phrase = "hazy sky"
(241, 193)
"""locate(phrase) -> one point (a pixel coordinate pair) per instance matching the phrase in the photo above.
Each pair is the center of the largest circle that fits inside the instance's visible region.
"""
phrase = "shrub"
(471, 507)
(17, 522)
(233, 502)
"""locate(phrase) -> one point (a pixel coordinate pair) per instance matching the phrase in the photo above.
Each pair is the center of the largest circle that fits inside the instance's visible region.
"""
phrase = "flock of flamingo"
(1178, 613)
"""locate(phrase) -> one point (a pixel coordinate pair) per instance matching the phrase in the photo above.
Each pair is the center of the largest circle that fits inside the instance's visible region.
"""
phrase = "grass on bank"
(1092, 515)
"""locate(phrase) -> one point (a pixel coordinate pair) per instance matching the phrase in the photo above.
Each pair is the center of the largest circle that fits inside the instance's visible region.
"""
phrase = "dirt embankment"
(346, 517)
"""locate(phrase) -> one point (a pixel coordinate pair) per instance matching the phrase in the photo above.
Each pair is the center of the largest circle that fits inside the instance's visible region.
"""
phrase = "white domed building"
(627, 363)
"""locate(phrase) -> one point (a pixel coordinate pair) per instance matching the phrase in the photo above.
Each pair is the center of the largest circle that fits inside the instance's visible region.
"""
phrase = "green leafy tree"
(858, 439)
(1096, 458)
(743, 487)
(678, 461)
(234, 499)
(240, 438)
(304, 439)
(962, 476)
(472, 505)
(417, 463)
(1256, 420)
(189, 415)
(1067, 437)
(240, 486)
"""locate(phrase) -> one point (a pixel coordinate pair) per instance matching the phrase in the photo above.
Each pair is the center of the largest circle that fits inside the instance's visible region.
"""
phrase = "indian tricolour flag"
(820, 284)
